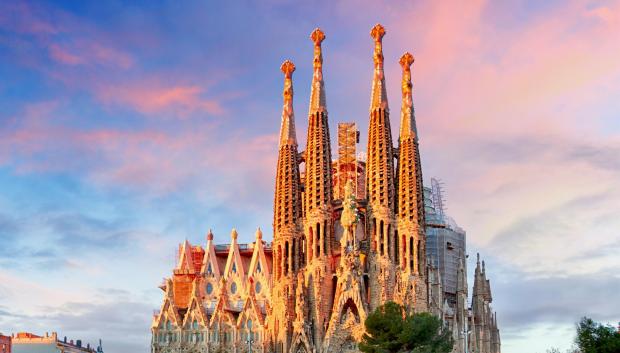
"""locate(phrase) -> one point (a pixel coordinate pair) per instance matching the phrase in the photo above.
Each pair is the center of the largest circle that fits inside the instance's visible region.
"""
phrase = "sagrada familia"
(333, 260)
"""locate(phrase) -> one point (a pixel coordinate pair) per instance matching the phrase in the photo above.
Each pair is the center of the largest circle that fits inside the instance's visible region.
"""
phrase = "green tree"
(390, 330)
(593, 337)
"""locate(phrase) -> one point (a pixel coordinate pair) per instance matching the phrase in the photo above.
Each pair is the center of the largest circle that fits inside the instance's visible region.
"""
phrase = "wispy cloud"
(516, 107)
(174, 101)
(120, 320)
(155, 160)
(89, 53)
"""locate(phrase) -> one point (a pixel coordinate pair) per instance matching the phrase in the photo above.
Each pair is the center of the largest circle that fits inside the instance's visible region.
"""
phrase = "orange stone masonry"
(332, 260)
(410, 237)
(380, 184)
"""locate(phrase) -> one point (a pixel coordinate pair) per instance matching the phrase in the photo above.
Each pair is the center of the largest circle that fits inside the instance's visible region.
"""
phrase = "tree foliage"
(593, 337)
(390, 330)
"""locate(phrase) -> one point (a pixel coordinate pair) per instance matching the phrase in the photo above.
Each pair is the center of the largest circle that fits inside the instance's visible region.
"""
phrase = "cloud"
(574, 227)
(529, 309)
(124, 325)
(516, 107)
(62, 56)
(89, 53)
(23, 18)
(155, 161)
(174, 101)
(121, 322)
(77, 231)
(49, 240)
(559, 300)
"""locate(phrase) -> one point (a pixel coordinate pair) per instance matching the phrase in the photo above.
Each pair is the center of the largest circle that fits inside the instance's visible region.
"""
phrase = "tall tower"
(318, 198)
(288, 235)
(380, 182)
(481, 310)
(412, 254)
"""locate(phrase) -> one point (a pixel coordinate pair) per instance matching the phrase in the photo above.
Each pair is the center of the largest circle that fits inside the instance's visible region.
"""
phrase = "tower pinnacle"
(287, 200)
(287, 130)
(317, 94)
(287, 215)
(407, 118)
(410, 190)
(380, 165)
(379, 95)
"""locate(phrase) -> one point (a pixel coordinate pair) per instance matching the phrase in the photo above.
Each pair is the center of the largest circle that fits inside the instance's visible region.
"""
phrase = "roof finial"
(377, 33)
(317, 94)
(234, 234)
(407, 118)
(287, 130)
(378, 98)
(210, 235)
(259, 234)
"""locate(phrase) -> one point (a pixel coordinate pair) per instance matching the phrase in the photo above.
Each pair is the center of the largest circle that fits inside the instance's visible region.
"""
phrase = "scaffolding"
(438, 198)
(348, 137)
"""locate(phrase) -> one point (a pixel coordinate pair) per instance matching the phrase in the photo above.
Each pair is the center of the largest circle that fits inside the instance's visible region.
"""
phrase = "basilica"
(348, 236)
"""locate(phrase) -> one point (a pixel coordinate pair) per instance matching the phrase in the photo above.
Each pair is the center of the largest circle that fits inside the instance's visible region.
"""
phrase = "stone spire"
(478, 286)
(378, 98)
(380, 162)
(287, 199)
(287, 216)
(410, 187)
(318, 197)
(317, 93)
(485, 324)
(287, 129)
(318, 180)
(407, 114)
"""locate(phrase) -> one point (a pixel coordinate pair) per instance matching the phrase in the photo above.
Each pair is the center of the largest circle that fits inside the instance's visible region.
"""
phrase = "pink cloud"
(87, 53)
(23, 18)
(62, 56)
(67, 39)
(477, 79)
(509, 116)
(154, 161)
(150, 97)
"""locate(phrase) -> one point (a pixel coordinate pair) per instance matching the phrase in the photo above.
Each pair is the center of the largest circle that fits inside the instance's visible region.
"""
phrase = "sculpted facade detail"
(331, 261)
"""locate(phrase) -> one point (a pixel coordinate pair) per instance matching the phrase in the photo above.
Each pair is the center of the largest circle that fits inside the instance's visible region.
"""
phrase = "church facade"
(332, 260)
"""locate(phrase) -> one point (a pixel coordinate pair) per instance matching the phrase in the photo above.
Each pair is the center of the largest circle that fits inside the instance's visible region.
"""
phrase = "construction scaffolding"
(348, 137)
(438, 197)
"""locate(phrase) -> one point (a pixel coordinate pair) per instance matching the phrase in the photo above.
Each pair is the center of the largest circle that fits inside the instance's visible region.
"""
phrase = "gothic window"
(286, 257)
(195, 324)
(318, 239)
(258, 268)
(233, 288)
(293, 249)
(411, 253)
(325, 235)
(234, 267)
(209, 269)
(418, 249)
(381, 240)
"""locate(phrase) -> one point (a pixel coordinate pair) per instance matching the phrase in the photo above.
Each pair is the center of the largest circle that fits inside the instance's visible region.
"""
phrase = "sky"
(126, 128)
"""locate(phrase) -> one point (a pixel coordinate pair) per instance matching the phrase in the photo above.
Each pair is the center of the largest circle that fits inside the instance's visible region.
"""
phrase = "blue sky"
(127, 128)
